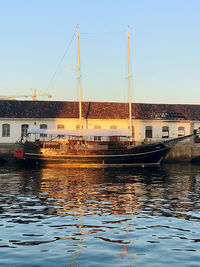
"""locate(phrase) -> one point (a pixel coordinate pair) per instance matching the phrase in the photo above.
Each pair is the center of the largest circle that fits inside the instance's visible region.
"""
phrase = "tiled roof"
(93, 110)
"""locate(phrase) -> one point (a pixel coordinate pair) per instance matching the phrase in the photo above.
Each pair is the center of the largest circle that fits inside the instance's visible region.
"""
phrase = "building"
(151, 122)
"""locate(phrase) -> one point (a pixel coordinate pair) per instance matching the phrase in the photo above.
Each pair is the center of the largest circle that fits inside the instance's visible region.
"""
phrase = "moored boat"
(71, 148)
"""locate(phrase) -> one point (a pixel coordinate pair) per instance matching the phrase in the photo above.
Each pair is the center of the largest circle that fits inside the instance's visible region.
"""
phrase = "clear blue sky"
(165, 49)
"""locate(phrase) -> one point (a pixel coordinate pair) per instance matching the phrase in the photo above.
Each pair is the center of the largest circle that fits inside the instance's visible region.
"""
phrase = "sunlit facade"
(150, 122)
(13, 130)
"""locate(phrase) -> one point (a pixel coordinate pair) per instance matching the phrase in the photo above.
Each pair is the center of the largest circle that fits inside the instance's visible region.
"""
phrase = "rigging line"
(60, 62)
(95, 33)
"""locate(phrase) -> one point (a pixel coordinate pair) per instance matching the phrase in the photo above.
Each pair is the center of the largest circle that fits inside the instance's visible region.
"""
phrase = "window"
(165, 132)
(148, 132)
(24, 128)
(196, 137)
(97, 127)
(43, 126)
(181, 131)
(113, 127)
(6, 130)
(60, 127)
(97, 138)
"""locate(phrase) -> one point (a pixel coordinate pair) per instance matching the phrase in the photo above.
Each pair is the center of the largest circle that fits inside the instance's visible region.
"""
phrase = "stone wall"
(7, 151)
(183, 152)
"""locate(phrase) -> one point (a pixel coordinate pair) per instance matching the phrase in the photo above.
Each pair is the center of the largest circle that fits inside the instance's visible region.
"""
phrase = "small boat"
(116, 148)
(75, 150)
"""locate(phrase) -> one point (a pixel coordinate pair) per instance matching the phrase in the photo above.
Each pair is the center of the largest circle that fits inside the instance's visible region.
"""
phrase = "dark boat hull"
(141, 156)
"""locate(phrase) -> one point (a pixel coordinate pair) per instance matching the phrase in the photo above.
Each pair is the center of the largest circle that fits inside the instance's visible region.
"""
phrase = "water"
(97, 217)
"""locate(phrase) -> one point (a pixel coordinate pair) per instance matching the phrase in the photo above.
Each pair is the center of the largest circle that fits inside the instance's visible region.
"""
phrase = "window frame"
(113, 126)
(148, 131)
(60, 126)
(181, 131)
(97, 138)
(165, 129)
(6, 130)
(24, 130)
(44, 127)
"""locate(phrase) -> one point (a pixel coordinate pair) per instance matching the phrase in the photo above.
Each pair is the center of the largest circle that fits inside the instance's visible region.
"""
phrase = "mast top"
(77, 31)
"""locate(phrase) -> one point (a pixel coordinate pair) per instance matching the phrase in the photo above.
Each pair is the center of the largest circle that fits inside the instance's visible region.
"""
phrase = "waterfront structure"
(151, 122)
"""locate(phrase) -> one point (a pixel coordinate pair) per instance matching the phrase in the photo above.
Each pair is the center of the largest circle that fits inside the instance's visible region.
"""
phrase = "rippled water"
(98, 217)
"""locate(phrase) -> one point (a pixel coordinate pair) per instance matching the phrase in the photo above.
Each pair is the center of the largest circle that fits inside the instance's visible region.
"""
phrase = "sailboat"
(75, 149)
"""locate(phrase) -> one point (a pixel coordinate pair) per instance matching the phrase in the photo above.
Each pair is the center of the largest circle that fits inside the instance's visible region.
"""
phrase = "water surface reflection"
(77, 217)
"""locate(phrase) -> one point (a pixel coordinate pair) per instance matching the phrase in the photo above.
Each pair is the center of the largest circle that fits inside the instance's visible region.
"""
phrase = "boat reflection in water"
(81, 216)
(78, 192)
(124, 190)
(119, 197)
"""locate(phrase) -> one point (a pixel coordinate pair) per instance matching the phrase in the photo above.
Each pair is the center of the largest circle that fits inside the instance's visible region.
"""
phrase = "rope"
(60, 62)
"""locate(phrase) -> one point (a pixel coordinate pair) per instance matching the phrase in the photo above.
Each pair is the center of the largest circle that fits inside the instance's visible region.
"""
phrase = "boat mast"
(129, 86)
(79, 78)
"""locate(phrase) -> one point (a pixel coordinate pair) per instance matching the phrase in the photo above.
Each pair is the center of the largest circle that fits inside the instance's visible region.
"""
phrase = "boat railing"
(81, 145)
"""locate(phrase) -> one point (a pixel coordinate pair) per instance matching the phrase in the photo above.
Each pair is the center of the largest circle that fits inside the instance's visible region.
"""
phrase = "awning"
(86, 132)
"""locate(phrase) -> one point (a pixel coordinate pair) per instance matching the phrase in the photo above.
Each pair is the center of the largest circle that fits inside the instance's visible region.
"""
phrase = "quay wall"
(7, 151)
(181, 152)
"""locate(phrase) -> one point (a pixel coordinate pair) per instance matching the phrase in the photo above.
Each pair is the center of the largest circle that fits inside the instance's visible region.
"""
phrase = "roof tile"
(91, 110)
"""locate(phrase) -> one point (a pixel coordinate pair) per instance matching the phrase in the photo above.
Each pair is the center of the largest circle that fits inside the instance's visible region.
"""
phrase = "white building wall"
(139, 126)
(15, 128)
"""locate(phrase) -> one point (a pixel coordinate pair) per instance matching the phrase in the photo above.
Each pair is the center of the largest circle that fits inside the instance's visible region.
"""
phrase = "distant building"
(150, 121)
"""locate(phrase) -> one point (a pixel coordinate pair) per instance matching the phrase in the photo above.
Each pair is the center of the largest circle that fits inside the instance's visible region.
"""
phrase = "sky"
(38, 49)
